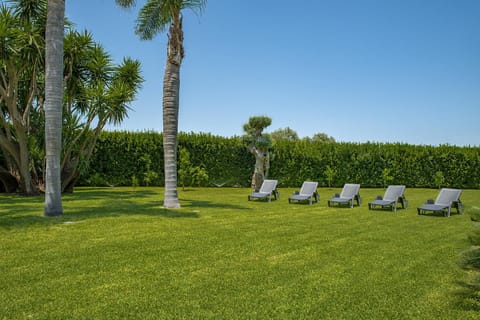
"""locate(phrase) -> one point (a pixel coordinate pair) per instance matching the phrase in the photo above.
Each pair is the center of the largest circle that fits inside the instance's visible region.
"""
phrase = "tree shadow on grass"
(100, 193)
(210, 204)
(19, 212)
(12, 221)
(94, 203)
(15, 210)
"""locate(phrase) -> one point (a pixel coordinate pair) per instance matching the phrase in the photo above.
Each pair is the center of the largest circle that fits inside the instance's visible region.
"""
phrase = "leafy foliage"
(438, 179)
(284, 134)
(190, 175)
(322, 137)
(329, 174)
(97, 92)
(387, 178)
(117, 157)
(254, 136)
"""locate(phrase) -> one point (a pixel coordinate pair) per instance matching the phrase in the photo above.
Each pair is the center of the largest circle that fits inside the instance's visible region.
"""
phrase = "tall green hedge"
(411, 165)
(121, 155)
(226, 160)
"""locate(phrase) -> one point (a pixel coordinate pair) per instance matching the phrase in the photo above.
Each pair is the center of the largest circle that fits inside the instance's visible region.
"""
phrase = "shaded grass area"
(117, 254)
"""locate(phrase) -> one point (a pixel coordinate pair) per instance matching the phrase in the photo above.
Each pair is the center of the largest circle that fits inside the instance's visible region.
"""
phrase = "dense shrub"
(414, 166)
(120, 156)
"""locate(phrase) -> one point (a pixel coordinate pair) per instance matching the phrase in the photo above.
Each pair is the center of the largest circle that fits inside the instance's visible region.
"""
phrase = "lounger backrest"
(393, 193)
(268, 186)
(447, 196)
(308, 188)
(349, 190)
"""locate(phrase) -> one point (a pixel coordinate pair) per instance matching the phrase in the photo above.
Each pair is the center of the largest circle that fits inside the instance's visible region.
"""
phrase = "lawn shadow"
(128, 207)
(100, 193)
(94, 203)
(12, 221)
(24, 212)
(15, 211)
(210, 204)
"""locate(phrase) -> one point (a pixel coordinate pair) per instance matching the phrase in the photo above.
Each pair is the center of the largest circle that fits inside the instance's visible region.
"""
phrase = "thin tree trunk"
(26, 185)
(171, 90)
(53, 106)
(262, 165)
(16, 145)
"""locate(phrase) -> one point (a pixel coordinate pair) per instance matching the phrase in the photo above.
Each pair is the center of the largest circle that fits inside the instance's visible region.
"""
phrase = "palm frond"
(157, 15)
(195, 5)
(125, 3)
(152, 20)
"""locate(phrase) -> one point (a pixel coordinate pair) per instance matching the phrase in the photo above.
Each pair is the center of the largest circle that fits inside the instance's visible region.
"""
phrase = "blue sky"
(358, 70)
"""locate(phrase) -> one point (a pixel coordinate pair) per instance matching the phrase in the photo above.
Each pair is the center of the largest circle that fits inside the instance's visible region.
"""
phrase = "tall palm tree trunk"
(53, 106)
(171, 97)
(171, 90)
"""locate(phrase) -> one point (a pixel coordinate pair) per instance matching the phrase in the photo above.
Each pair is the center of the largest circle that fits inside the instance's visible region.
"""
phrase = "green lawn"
(116, 254)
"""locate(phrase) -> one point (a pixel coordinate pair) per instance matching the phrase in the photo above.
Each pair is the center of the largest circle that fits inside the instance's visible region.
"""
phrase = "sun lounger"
(446, 199)
(349, 194)
(267, 190)
(308, 192)
(393, 195)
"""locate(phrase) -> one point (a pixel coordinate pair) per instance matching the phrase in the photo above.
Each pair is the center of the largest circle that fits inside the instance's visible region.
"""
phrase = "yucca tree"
(53, 106)
(21, 67)
(155, 17)
(97, 92)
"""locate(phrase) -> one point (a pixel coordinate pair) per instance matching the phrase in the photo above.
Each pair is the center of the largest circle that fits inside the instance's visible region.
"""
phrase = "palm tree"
(53, 106)
(154, 17)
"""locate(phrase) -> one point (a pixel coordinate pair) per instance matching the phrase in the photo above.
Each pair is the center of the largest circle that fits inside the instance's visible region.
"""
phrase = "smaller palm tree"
(155, 17)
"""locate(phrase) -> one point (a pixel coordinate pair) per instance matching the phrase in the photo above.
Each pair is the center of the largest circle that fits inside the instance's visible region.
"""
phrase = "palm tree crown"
(156, 15)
